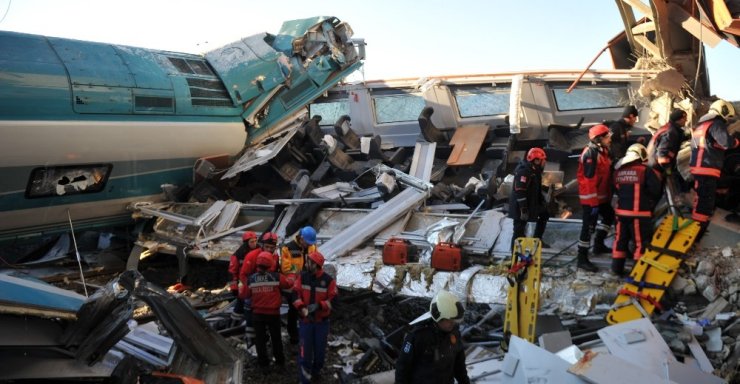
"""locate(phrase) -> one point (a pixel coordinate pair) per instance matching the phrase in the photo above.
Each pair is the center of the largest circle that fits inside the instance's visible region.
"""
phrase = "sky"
(405, 38)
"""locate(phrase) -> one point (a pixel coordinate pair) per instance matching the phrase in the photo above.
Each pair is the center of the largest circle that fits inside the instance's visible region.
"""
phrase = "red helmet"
(248, 235)
(317, 258)
(269, 238)
(597, 131)
(264, 259)
(536, 153)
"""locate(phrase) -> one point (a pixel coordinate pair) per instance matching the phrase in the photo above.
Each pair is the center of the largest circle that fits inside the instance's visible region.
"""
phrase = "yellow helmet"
(723, 108)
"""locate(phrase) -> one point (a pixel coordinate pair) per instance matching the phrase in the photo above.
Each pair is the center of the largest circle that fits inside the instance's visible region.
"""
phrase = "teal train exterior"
(86, 128)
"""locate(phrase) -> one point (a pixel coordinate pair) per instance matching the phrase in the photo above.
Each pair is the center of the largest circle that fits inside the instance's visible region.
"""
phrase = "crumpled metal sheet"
(357, 270)
(486, 288)
(385, 279)
(440, 231)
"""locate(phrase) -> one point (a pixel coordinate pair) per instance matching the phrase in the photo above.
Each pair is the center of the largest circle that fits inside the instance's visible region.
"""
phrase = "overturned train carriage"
(89, 127)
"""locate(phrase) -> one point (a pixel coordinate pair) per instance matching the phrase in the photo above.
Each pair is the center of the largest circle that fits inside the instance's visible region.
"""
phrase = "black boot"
(599, 246)
(618, 267)
(583, 262)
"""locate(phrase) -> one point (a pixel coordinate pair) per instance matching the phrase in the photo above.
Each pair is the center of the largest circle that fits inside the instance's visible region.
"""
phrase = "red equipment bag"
(447, 257)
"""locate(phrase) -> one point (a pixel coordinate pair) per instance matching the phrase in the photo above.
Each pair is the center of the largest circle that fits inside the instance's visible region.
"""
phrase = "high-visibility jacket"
(664, 146)
(709, 141)
(249, 265)
(315, 288)
(594, 171)
(235, 264)
(264, 288)
(293, 257)
(638, 189)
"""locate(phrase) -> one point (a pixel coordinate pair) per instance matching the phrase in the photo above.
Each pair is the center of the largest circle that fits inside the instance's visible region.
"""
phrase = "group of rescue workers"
(262, 277)
(636, 174)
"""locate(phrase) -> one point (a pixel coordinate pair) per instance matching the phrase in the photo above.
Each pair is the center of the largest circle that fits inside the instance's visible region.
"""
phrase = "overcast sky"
(405, 38)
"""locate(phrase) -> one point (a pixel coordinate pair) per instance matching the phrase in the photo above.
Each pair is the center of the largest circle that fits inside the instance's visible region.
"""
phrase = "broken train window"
(330, 108)
(599, 96)
(67, 180)
(474, 101)
(393, 106)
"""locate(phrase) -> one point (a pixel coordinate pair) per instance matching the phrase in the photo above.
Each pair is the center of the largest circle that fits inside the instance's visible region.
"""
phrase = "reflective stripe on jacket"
(594, 170)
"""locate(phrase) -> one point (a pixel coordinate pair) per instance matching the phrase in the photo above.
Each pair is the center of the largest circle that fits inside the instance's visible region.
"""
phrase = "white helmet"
(722, 108)
(446, 306)
(636, 151)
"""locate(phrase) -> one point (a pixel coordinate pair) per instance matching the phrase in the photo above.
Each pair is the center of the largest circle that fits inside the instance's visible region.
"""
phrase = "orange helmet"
(264, 259)
(248, 235)
(536, 153)
(598, 131)
(317, 258)
(269, 238)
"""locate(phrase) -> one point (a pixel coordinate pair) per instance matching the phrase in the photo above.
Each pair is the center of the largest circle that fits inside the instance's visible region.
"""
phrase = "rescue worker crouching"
(314, 292)
(433, 352)
(526, 202)
(709, 141)
(292, 258)
(249, 243)
(594, 192)
(638, 188)
(263, 289)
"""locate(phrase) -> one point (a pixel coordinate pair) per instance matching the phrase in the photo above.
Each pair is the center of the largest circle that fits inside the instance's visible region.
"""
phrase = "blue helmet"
(308, 234)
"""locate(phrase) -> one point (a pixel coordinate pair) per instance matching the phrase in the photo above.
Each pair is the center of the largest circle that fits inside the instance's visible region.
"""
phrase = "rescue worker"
(638, 189)
(433, 351)
(709, 141)
(663, 150)
(267, 243)
(313, 294)
(594, 192)
(263, 288)
(249, 243)
(292, 257)
(526, 202)
(620, 130)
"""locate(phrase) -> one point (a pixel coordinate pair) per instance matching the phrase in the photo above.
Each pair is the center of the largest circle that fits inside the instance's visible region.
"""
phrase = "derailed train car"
(88, 127)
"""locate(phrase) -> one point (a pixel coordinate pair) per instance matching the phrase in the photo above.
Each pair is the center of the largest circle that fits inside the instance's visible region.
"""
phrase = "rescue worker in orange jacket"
(594, 192)
(620, 130)
(263, 288)
(293, 256)
(314, 292)
(249, 243)
(638, 189)
(526, 202)
(709, 141)
(267, 243)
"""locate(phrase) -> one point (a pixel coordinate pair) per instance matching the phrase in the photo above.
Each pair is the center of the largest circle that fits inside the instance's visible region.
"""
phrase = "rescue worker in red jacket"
(621, 130)
(314, 292)
(663, 149)
(292, 258)
(709, 141)
(249, 243)
(433, 351)
(267, 243)
(594, 192)
(638, 189)
(264, 290)
(526, 202)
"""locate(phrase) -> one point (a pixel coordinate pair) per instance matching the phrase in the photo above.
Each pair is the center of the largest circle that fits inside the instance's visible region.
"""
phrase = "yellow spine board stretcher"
(523, 299)
(655, 270)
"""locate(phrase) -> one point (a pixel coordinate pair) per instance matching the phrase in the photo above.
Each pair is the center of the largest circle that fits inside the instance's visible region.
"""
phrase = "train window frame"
(338, 102)
(619, 100)
(48, 181)
(500, 91)
(392, 98)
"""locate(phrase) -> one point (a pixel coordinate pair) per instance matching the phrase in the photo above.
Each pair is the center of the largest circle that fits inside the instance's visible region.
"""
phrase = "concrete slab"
(648, 351)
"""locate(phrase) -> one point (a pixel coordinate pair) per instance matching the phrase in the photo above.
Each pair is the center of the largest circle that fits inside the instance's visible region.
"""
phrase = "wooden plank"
(640, 7)
(647, 44)
(467, 142)
(639, 29)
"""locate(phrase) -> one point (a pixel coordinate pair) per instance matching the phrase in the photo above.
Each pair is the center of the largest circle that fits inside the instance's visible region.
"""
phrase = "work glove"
(304, 312)
(523, 213)
(595, 211)
(312, 308)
